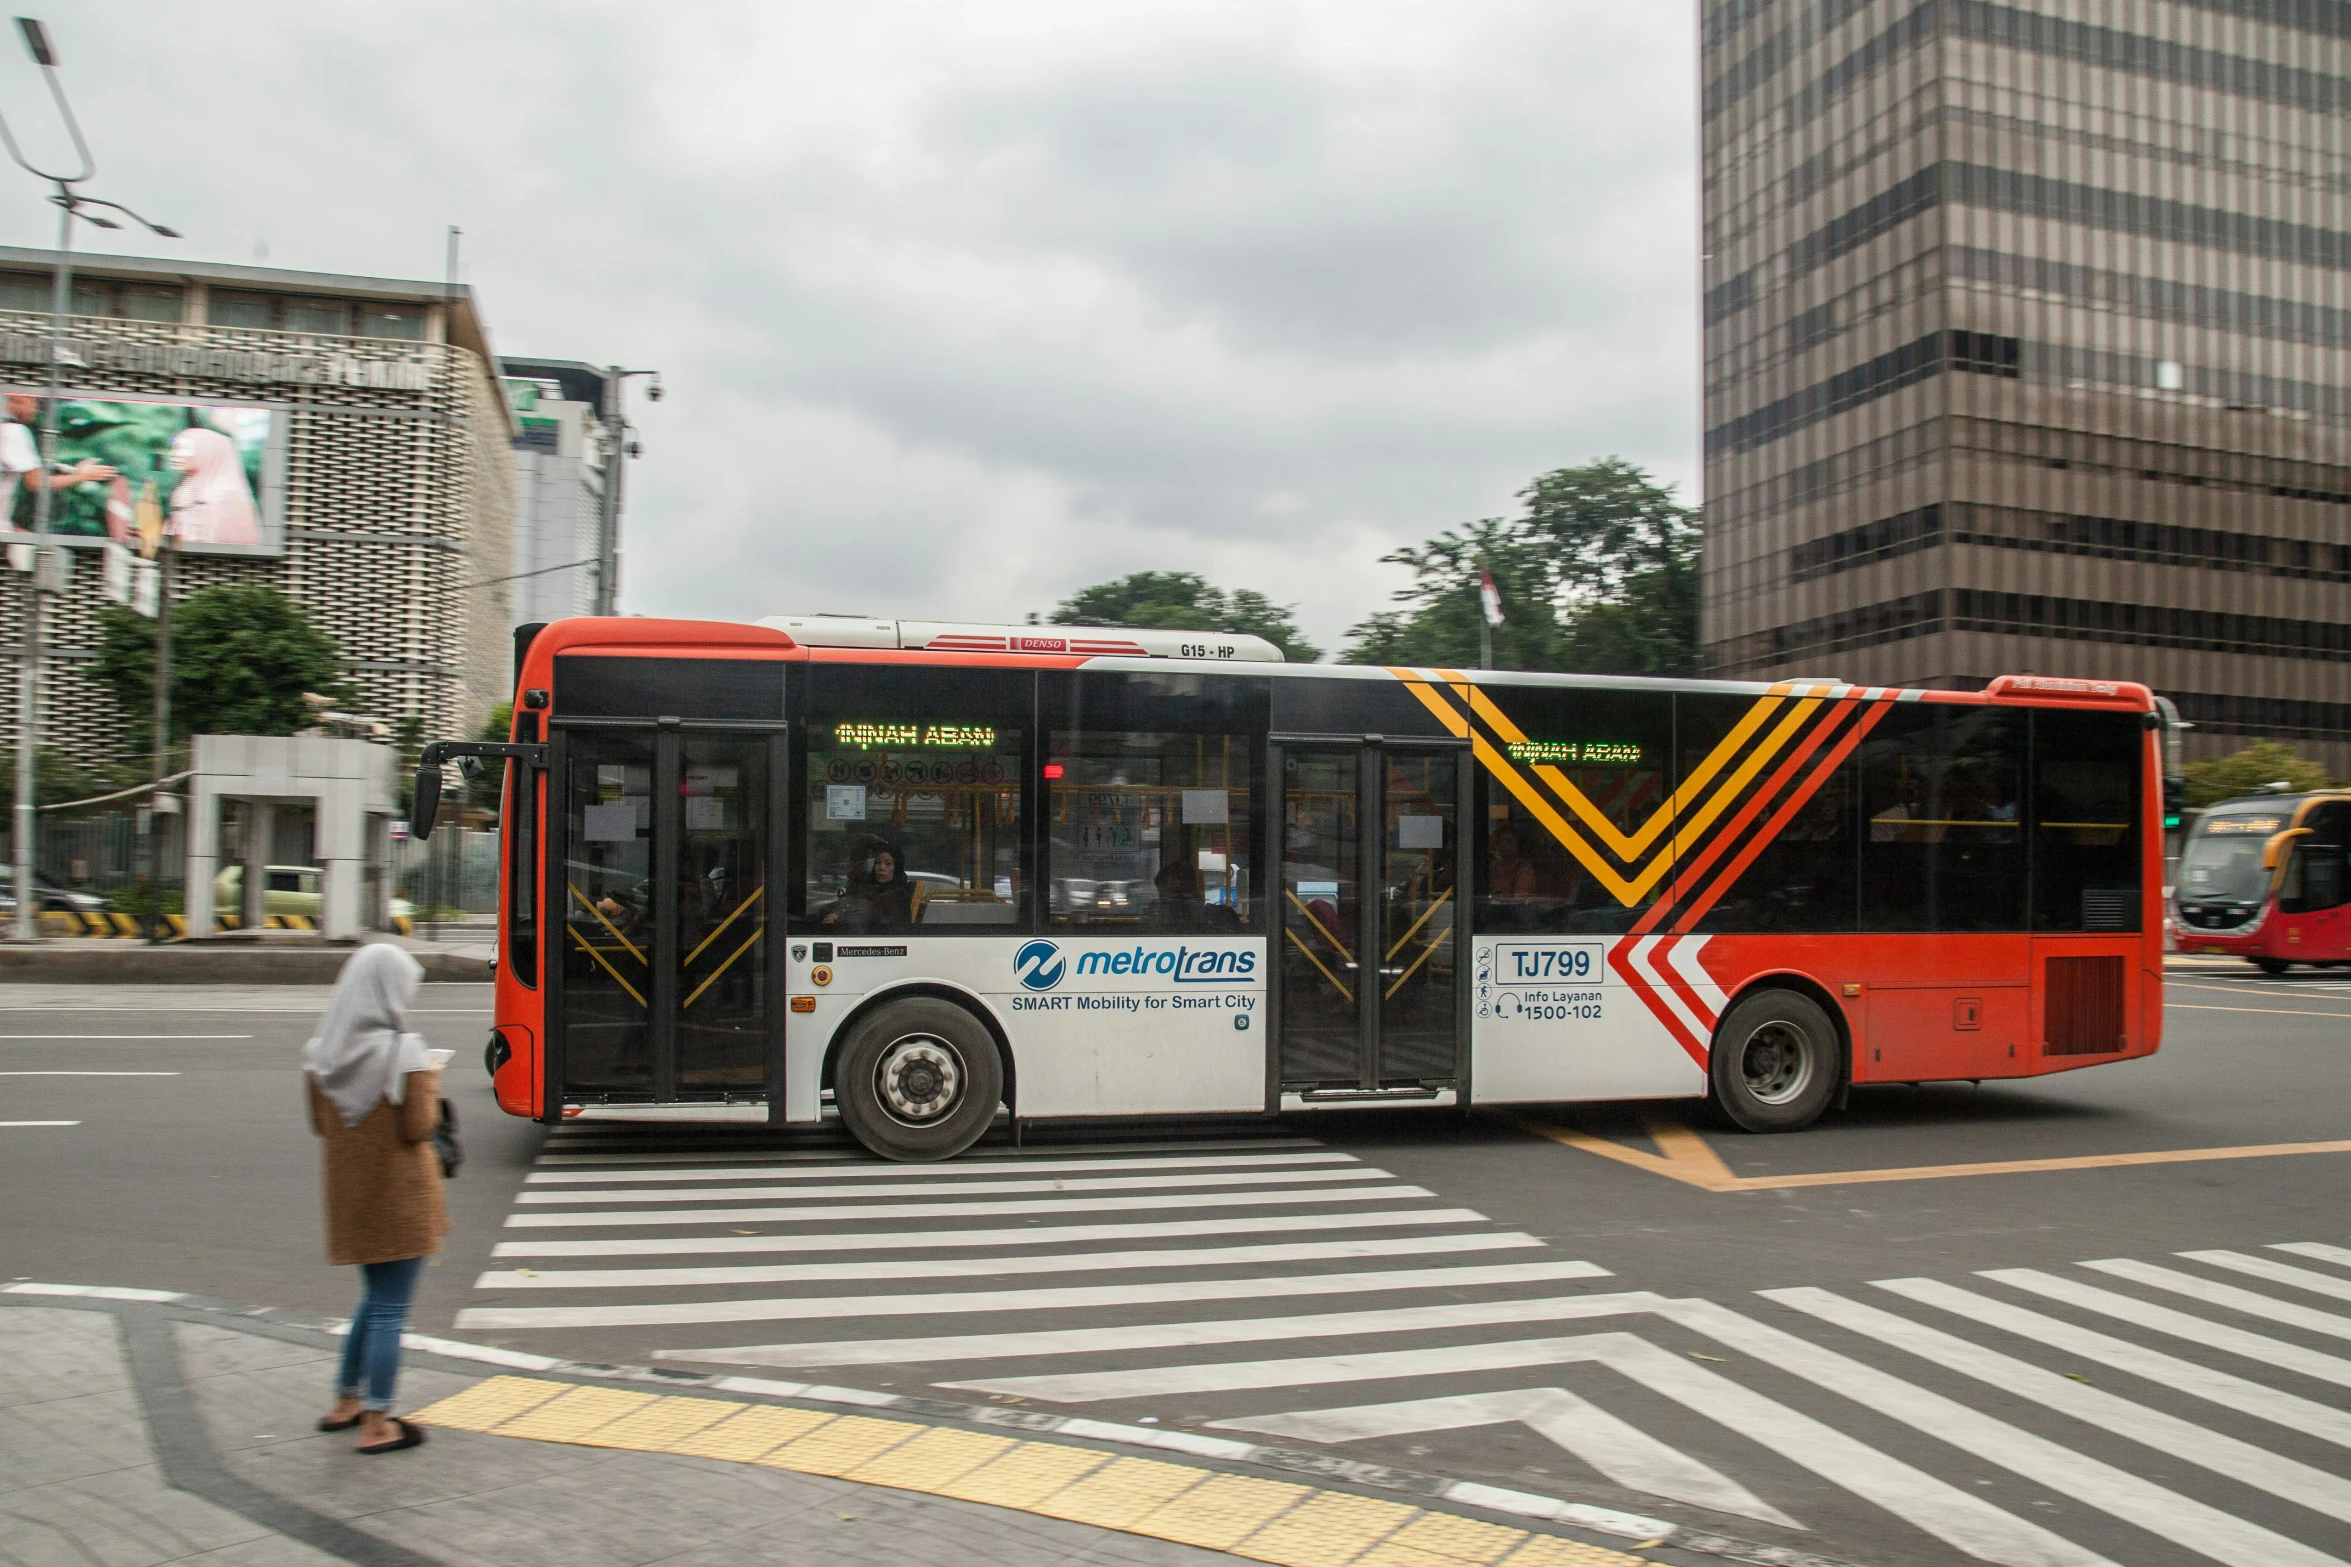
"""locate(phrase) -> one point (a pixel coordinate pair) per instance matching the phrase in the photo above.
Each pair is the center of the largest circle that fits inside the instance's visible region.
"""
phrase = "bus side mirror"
(427, 803)
(2273, 853)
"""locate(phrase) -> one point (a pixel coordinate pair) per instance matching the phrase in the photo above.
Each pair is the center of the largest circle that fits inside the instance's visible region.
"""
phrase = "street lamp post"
(48, 569)
(608, 524)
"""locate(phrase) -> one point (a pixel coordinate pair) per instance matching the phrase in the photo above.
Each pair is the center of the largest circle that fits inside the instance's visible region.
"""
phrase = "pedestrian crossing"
(2109, 1412)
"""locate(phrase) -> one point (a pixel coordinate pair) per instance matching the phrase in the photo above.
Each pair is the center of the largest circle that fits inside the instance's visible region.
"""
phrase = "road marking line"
(982, 1187)
(1622, 1452)
(92, 1292)
(1277, 1522)
(40, 1123)
(2282, 1477)
(2275, 1272)
(925, 1240)
(6, 1039)
(1687, 1158)
(647, 1150)
(2193, 1006)
(2246, 1301)
(2186, 1376)
(957, 1210)
(957, 1168)
(983, 1267)
(89, 1074)
(1157, 1335)
(2136, 1502)
(2179, 1324)
(1963, 1520)
(1056, 1299)
(2318, 1250)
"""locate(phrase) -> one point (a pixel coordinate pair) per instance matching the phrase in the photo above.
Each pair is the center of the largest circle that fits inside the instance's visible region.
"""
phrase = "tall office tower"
(2026, 332)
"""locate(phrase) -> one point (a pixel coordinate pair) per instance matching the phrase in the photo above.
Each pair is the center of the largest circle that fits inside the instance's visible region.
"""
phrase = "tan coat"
(383, 1180)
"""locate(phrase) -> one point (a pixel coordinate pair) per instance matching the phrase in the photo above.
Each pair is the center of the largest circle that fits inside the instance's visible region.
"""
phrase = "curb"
(95, 962)
(1647, 1532)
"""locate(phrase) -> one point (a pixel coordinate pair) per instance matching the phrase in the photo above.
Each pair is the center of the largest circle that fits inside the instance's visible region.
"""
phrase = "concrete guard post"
(348, 784)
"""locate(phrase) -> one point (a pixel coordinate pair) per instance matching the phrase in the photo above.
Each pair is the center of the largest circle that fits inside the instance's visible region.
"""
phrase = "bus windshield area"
(2222, 862)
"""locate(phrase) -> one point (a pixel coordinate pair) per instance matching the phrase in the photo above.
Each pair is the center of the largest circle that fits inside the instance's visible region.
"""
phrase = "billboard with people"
(207, 475)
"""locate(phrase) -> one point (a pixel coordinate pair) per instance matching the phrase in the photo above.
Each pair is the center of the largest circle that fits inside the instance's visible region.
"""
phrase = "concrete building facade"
(2026, 328)
(377, 456)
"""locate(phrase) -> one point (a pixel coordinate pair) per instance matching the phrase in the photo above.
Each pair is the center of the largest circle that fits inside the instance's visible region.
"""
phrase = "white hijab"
(362, 1053)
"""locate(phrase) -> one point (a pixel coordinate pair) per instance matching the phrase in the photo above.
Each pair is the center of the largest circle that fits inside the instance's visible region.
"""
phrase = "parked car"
(291, 889)
(52, 899)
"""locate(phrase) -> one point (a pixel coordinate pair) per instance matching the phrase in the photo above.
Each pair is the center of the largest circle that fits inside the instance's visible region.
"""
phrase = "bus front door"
(663, 983)
(1370, 942)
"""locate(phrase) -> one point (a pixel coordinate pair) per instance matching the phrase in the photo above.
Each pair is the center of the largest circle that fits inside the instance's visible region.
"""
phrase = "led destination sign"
(1586, 753)
(944, 737)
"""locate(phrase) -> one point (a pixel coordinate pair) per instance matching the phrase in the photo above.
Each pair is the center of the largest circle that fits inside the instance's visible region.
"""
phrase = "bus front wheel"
(1775, 1062)
(918, 1080)
(2272, 965)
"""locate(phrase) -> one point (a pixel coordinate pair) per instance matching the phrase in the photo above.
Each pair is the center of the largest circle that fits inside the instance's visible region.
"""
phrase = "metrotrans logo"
(1182, 965)
(1038, 965)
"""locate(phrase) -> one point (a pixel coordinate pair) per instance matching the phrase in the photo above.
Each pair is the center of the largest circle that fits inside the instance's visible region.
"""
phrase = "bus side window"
(1608, 753)
(1942, 793)
(519, 951)
(2317, 876)
(2085, 820)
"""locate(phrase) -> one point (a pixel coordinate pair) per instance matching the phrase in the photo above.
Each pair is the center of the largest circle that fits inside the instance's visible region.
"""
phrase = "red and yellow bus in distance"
(918, 876)
(2268, 879)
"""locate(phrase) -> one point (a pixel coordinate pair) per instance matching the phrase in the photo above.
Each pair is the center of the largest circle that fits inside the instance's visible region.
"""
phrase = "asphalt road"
(1567, 1303)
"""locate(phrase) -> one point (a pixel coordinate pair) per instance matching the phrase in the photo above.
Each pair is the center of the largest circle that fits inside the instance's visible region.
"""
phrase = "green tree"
(1599, 574)
(1186, 601)
(241, 657)
(2251, 771)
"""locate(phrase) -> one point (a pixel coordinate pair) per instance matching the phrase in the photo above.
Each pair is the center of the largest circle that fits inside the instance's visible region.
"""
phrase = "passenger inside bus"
(880, 896)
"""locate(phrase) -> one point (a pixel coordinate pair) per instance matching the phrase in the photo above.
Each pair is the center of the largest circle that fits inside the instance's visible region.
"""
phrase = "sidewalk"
(138, 1431)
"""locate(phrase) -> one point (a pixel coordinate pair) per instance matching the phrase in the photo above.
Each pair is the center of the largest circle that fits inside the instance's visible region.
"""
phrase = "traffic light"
(2175, 791)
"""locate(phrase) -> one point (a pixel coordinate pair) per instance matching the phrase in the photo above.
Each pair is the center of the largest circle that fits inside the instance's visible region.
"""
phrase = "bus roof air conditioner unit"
(940, 636)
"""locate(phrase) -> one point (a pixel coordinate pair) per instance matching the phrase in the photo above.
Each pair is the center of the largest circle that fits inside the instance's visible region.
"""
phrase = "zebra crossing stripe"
(1055, 1299)
(2246, 1301)
(874, 1212)
(1229, 1376)
(2137, 1502)
(982, 1267)
(1961, 1520)
(2185, 1376)
(2224, 1455)
(2316, 1249)
(1043, 1235)
(2275, 1272)
(2179, 1324)
(1164, 1335)
(1620, 1451)
(762, 1172)
(925, 1188)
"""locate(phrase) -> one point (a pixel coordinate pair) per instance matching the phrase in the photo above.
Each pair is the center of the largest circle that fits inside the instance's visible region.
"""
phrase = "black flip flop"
(330, 1423)
(410, 1436)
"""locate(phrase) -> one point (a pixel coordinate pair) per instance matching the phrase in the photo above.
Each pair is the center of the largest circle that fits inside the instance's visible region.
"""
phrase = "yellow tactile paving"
(1328, 1529)
(1289, 1525)
(1445, 1538)
(841, 1445)
(1120, 1492)
(939, 1455)
(662, 1424)
(1025, 1476)
(487, 1402)
(753, 1434)
(1220, 1511)
(574, 1415)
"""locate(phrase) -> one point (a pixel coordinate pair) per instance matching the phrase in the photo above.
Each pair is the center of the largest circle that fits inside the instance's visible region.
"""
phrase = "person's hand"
(89, 471)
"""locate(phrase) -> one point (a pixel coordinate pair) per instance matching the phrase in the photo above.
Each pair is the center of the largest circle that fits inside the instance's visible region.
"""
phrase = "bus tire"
(1775, 1062)
(919, 1079)
(2272, 965)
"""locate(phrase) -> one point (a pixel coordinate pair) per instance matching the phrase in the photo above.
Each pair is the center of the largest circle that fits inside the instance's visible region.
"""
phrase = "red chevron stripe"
(1620, 958)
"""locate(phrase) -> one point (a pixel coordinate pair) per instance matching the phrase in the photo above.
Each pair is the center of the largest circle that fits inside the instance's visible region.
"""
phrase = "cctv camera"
(654, 391)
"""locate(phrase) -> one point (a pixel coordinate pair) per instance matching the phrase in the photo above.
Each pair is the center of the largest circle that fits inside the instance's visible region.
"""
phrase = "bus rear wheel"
(920, 1079)
(2272, 965)
(1775, 1062)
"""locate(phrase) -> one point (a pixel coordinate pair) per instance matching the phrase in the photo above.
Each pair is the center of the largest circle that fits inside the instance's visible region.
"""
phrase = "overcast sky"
(962, 307)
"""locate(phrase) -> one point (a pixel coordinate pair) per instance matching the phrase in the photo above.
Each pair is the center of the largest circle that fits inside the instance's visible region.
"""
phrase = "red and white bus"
(2268, 879)
(923, 875)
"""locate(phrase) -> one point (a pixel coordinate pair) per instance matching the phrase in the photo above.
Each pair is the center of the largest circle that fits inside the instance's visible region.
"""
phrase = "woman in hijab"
(212, 503)
(375, 1096)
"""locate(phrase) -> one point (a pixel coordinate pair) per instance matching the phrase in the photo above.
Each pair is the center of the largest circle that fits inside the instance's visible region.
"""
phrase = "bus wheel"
(919, 1079)
(2272, 965)
(1774, 1062)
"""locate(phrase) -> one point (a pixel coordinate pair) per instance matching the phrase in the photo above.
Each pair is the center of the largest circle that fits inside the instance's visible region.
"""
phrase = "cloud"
(962, 307)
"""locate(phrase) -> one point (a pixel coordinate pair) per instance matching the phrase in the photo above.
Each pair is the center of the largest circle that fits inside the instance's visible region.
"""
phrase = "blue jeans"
(373, 1349)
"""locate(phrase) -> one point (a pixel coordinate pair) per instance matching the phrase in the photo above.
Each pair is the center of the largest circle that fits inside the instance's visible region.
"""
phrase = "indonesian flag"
(1490, 597)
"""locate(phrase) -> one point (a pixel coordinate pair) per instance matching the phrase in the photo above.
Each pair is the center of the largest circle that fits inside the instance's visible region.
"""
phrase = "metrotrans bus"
(2268, 879)
(920, 876)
